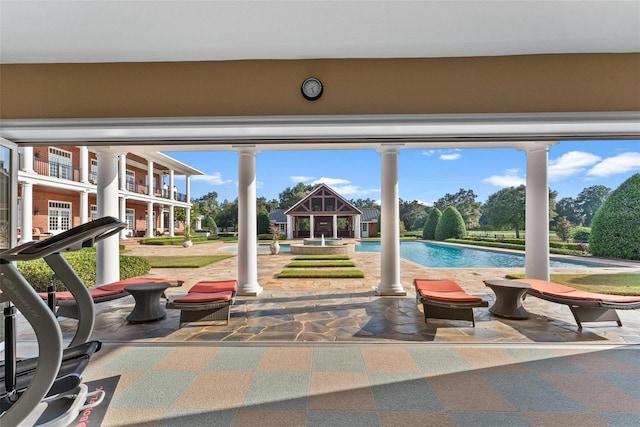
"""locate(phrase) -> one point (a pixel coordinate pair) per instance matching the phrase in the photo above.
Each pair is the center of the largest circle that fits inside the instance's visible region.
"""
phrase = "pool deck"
(323, 353)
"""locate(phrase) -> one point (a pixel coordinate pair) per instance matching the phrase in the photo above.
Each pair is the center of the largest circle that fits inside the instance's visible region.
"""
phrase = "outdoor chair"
(445, 299)
(206, 301)
(585, 306)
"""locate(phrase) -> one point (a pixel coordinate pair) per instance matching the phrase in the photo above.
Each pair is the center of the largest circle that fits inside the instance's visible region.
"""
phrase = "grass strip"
(320, 274)
(627, 284)
(320, 257)
(192, 261)
(321, 263)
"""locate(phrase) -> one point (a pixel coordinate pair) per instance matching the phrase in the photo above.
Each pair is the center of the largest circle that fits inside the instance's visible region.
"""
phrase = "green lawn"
(184, 261)
(321, 263)
(614, 284)
(320, 257)
(320, 274)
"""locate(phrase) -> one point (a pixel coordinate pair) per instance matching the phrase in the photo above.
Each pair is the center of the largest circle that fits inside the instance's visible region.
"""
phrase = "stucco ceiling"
(147, 30)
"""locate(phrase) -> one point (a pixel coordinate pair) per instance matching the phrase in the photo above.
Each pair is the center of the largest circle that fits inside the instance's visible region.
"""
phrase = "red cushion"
(94, 292)
(543, 286)
(214, 286)
(437, 285)
(458, 296)
(205, 297)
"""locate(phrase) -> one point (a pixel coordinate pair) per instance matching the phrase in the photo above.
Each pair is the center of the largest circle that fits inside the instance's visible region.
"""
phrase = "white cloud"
(331, 181)
(454, 156)
(301, 178)
(571, 163)
(622, 163)
(511, 178)
(213, 179)
(428, 153)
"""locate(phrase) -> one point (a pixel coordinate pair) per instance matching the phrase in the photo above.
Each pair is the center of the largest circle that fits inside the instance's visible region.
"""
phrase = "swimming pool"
(436, 255)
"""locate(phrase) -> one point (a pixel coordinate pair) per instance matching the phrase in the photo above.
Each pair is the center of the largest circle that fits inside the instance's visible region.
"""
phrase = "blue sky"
(424, 175)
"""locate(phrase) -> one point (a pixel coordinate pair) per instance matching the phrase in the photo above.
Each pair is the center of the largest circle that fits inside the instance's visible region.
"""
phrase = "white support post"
(84, 206)
(150, 188)
(357, 228)
(289, 227)
(312, 231)
(390, 234)
(150, 224)
(247, 224)
(537, 211)
(335, 226)
(122, 175)
(85, 167)
(123, 215)
(107, 250)
(26, 228)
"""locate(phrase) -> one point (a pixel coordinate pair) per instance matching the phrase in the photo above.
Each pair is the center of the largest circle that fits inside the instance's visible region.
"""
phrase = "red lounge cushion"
(544, 287)
(214, 286)
(205, 297)
(437, 285)
(94, 292)
(458, 296)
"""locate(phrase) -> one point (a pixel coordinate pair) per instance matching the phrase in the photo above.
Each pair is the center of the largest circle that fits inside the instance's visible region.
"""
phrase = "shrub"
(581, 234)
(429, 230)
(450, 225)
(38, 273)
(615, 229)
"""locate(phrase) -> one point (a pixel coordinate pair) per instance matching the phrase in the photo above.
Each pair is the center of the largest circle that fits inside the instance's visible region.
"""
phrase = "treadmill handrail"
(71, 239)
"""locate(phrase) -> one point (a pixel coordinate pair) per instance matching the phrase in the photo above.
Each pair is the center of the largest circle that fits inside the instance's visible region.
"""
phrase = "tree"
(615, 229)
(292, 195)
(590, 200)
(566, 207)
(228, 215)
(365, 204)
(412, 213)
(505, 209)
(263, 221)
(465, 203)
(429, 230)
(450, 225)
(563, 228)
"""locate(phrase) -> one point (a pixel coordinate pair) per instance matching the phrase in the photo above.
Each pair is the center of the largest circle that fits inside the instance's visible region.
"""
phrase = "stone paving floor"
(347, 310)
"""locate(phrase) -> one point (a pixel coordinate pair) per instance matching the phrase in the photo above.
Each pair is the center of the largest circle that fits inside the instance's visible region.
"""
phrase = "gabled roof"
(370, 215)
(305, 207)
(277, 215)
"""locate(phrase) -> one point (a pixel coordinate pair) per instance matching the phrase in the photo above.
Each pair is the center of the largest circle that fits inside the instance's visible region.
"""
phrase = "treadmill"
(47, 390)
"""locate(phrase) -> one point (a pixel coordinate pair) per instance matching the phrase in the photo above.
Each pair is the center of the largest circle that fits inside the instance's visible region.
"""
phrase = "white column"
(85, 167)
(26, 227)
(172, 195)
(150, 224)
(84, 207)
(27, 159)
(537, 212)
(247, 224)
(335, 226)
(357, 227)
(289, 227)
(188, 191)
(390, 227)
(107, 250)
(123, 214)
(311, 226)
(150, 188)
(122, 164)
(171, 221)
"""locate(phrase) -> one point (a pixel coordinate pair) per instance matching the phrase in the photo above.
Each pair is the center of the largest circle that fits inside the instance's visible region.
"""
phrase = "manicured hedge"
(450, 225)
(429, 230)
(615, 229)
(83, 262)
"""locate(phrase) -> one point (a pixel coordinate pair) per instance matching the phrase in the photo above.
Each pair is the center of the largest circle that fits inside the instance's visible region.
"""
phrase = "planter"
(187, 244)
(274, 248)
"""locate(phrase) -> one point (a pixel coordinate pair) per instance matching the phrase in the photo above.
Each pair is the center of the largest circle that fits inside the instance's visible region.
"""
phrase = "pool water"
(444, 256)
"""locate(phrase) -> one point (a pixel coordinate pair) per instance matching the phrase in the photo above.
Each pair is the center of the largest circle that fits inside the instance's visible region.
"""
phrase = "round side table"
(147, 307)
(509, 295)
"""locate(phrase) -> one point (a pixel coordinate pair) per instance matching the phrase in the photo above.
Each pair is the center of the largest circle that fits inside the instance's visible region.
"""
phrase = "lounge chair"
(585, 306)
(445, 299)
(67, 306)
(206, 300)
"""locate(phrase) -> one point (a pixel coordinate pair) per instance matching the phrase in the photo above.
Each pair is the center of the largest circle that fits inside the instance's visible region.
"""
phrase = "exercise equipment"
(47, 390)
